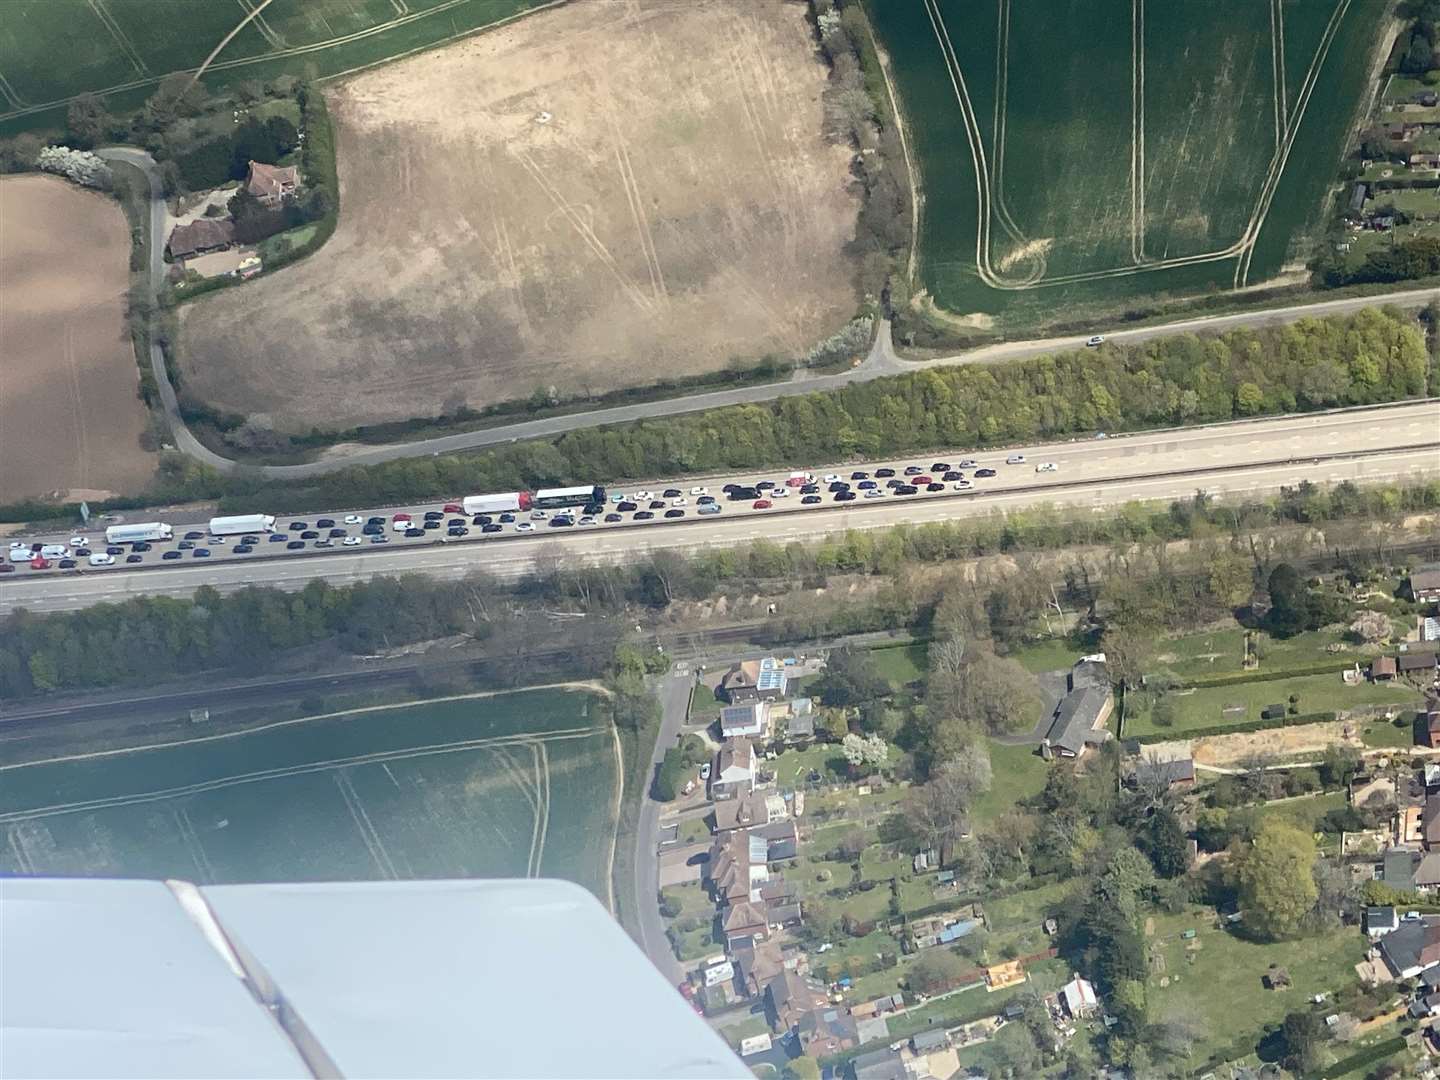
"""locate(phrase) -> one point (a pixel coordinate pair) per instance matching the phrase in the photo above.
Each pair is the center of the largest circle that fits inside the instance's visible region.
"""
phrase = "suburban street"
(1367, 445)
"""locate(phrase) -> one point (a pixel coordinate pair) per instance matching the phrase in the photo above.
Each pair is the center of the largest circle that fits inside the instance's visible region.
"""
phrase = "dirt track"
(70, 419)
(676, 209)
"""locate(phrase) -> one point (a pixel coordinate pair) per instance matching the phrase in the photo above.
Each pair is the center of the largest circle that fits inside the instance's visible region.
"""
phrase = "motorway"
(1363, 445)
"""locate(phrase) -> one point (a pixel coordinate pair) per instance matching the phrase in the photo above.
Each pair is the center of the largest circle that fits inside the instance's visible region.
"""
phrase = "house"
(1424, 161)
(1425, 584)
(736, 866)
(870, 1028)
(785, 915)
(782, 840)
(201, 235)
(1432, 776)
(882, 1064)
(1398, 868)
(1431, 724)
(826, 1030)
(1079, 999)
(1173, 772)
(1413, 947)
(788, 997)
(926, 1042)
(756, 964)
(751, 809)
(1080, 717)
(754, 680)
(776, 890)
(800, 724)
(1430, 821)
(733, 773)
(1380, 921)
(1425, 1005)
(1421, 664)
(747, 721)
(270, 184)
(1382, 668)
(745, 920)
(1356, 206)
(1428, 628)
(1427, 872)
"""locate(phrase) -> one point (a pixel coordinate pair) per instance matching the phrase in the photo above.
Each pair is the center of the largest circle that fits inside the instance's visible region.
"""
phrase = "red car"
(761, 504)
(453, 508)
(920, 481)
(401, 517)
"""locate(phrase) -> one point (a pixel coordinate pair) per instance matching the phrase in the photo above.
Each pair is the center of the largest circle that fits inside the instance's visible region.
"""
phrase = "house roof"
(783, 913)
(743, 916)
(792, 990)
(1079, 995)
(1417, 661)
(1430, 819)
(1382, 665)
(736, 754)
(772, 675)
(740, 813)
(871, 1029)
(1172, 771)
(802, 718)
(1379, 916)
(777, 888)
(934, 1039)
(1425, 577)
(1416, 944)
(270, 181)
(884, 1064)
(1427, 871)
(758, 961)
(202, 234)
(742, 719)
(828, 1021)
(1076, 717)
(1398, 868)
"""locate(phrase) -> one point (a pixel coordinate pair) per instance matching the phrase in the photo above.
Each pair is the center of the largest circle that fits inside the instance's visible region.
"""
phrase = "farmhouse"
(270, 184)
(1080, 717)
(201, 235)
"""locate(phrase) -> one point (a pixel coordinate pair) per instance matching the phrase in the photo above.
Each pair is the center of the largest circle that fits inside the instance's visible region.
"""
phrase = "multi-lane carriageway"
(1363, 445)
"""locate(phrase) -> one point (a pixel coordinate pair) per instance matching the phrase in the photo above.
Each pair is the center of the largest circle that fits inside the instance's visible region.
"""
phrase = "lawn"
(901, 664)
(1305, 811)
(1316, 693)
(1052, 654)
(1221, 652)
(1218, 980)
(697, 915)
(1028, 908)
(1019, 773)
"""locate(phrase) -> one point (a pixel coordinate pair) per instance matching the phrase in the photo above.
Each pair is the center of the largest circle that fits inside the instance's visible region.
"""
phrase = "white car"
(524, 526)
(1015, 459)
(832, 478)
(641, 496)
(874, 493)
(679, 502)
(353, 519)
(779, 493)
(1097, 339)
(400, 526)
(699, 491)
(586, 519)
(538, 515)
(352, 541)
(1047, 466)
(77, 541)
(960, 485)
(101, 559)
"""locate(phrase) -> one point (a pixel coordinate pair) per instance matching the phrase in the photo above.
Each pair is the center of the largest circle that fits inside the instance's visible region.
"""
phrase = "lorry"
(242, 523)
(138, 533)
(799, 479)
(496, 504)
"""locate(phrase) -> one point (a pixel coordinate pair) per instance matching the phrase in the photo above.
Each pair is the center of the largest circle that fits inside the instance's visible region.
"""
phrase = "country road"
(881, 362)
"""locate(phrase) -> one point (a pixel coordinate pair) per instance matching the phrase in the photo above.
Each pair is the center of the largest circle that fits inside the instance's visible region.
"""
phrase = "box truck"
(242, 523)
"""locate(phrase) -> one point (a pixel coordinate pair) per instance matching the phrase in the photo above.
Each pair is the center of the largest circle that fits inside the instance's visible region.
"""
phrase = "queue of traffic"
(479, 516)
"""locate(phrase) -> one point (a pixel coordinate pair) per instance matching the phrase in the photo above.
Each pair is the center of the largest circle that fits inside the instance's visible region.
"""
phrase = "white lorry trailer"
(242, 523)
(496, 504)
(138, 533)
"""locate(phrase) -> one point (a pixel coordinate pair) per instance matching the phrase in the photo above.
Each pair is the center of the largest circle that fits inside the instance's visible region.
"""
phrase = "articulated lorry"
(242, 523)
(496, 504)
(138, 533)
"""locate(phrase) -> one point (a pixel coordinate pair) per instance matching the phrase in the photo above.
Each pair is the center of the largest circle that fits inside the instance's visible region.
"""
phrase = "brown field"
(678, 210)
(70, 420)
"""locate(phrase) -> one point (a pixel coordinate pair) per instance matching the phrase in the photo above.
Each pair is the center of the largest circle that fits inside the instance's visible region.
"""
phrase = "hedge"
(1323, 667)
(1232, 729)
(1357, 1061)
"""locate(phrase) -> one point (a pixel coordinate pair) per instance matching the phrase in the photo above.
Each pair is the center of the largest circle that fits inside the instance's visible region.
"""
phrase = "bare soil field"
(598, 196)
(70, 417)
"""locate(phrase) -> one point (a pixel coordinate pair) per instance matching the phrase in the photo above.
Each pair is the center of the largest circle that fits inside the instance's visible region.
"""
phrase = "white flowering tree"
(865, 750)
(81, 166)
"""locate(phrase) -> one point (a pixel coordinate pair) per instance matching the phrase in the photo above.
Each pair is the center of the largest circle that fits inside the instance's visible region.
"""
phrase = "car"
(780, 493)
(960, 485)
(401, 517)
(7, 568)
(492, 528)
(657, 504)
(809, 489)
(845, 496)
(627, 507)
(561, 521)
(699, 491)
(830, 478)
(672, 493)
(764, 485)
(372, 530)
(1015, 459)
(810, 500)
(246, 549)
(913, 470)
(434, 515)
(335, 534)
(294, 545)
(882, 473)
(325, 523)
(200, 553)
(78, 541)
(139, 547)
(216, 541)
(375, 521)
(249, 540)
(923, 479)
(379, 539)
(761, 504)
(867, 485)
(874, 493)
(506, 519)
(617, 496)
(354, 519)
(859, 476)
(674, 513)
(586, 519)
(966, 464)
(453, 508)
(894, 482)
(185, 545)
(524, 526)
(906, 489)
(298, 526)
(414, 533)
(641, 496)
(432, 525)
(705, 500)
(194, 536)
(708, 508)
(642, 515)
(114, 550)
(309, 534)
(952, 474)
(134, 558)
(103, 559)
(1093, 340)
(276, 538)
(324, 543)
(456, 521)
(170, 555)
(482, 519)
(67, 564)
(934, 486)
(705, 771)
(838, 485)
(456, 530)
(678, 502)
(538, 515)
(1047, 466)
(614, 517)
(984, 472)
(940, 466)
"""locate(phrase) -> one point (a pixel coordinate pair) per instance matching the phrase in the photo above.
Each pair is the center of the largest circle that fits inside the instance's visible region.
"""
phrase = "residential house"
(926, 1042)
(1417, 664)
(733, 773)
(1174, 773)
(270, 184)
(756, 964)
(826, 1030)
(200, 236)
(800, 723)
(754, 680)
(1430, 821)
(789, 996)
(745, 920)
(1425, 1005)
(1079, 720)
(737, 865)
(1356, 207)
(1413, 947)
(1427, 872)
(1382, 669)
(1428, 628)
(882, 1064)
(870, 1029)
(782, 841)
(1079, 999)
(1425, 584)
(1398, 868)
(753, 809)
(776, 890)
(1380, 921)
(784, 916)
(748, 721)
(1432, 776)
(1431, 724)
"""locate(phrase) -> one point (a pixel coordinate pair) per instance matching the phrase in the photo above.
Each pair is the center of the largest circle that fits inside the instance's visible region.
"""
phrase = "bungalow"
(745, 920)
(1412, 948)
(1425, 584)
(826, 1030)
(754, 680)
(788, 997)
(746, 721)
(270, 184)
(882, 1064)
(200, 236)
(1079, 720)
(1079, 999)
(733, 774)
(1382, 668)
(1174, 773)
(1380, 921)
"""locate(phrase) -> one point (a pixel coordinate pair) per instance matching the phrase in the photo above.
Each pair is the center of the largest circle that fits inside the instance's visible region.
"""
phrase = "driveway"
(1053, 685)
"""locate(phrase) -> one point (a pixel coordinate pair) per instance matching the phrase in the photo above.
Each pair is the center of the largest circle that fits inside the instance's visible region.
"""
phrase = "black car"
(906, 489)
(561, 522)
(611, 517)
(139, 547)
(412, 533)
(951, 474)
(113, 550)
(894, 482)
(432, 524)
(626, 507)
(811, 500)
(481, 519)
(242, 549)
(764, 485)
(134, 558)
(672, 493)
(454, 522)
(984, 472)
(809, 489)
(657, 504)
(859, 476)
(325, 523)
(171, 555)
(644, 515)
(839, 485)
(67, 564)
(882, 473)
(744, 494)
(298, 526)
(185, 545)
(457, 530)
(375, 521)
(194, 536)
(373, 530)
(324, 543)
(249, 540)
(309, 534)
(276, 538)
(728, 488)
(492, 528)
(379, 539)
(845, 496)
(200, 553)
(705, 500)
(335, 534)
(507, 518)
(83, 552)
(433, 515)
(676, 513)
(294, 545)
(936, 486)
(940, 466)
(867, 485)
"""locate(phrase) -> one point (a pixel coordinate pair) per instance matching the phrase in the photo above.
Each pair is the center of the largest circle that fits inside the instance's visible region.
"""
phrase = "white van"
(55, 551)
(101, 559)
(21, 554)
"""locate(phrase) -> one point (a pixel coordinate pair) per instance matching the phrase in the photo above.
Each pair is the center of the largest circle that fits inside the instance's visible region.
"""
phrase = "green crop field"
(1094, 151)
(511, 786)
(51, 50)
